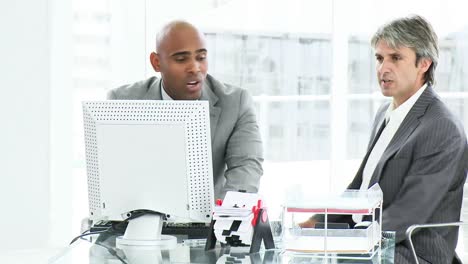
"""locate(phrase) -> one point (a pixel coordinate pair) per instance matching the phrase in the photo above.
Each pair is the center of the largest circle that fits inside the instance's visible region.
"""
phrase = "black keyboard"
(191, 230)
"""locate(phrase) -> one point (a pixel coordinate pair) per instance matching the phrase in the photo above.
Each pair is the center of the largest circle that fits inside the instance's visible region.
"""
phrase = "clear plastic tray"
(311, 240)
(347, 202)
(299, 206)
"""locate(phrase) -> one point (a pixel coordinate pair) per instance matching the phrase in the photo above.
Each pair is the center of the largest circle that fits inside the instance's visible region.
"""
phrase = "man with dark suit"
(418, 152)
(181, 58)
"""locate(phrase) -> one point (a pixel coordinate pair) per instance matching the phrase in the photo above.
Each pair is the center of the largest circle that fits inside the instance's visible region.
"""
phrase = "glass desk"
(192, 251)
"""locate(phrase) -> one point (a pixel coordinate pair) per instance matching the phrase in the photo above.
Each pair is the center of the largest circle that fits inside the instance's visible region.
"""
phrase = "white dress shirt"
(164, 95)
(393, 118)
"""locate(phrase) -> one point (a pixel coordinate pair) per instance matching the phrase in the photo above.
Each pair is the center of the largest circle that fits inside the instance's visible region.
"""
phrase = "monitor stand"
(144, 232)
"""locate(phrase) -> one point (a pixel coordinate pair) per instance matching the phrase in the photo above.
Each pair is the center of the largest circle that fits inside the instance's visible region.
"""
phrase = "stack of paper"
(234, 218)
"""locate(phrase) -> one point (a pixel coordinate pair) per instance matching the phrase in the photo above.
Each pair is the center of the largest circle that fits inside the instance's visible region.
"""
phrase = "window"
(308, 64)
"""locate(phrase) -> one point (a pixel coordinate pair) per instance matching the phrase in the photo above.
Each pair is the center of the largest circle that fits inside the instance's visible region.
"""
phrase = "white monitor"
(149, 155)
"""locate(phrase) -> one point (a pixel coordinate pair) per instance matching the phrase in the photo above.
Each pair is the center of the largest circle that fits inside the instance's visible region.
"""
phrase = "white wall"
(61, 123)
(24, 129)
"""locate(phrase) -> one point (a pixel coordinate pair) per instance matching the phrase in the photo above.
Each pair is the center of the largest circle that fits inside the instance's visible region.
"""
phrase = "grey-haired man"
(418, 151)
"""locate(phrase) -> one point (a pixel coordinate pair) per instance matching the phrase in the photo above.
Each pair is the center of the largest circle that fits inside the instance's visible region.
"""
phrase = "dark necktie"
(359, 218)
(374, 141)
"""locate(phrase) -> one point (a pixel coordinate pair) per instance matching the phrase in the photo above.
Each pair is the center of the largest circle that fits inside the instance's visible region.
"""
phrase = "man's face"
(182, 61)
(397, 72)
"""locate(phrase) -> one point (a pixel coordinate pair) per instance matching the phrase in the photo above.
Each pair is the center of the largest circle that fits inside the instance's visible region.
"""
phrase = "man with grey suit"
(418, 152)
(181, 58)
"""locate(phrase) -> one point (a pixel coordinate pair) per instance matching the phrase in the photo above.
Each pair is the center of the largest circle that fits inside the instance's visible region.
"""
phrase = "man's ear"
(155, 61)
(424, 64)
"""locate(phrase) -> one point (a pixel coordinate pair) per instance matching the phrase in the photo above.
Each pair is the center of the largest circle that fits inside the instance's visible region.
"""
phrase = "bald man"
(181, 58)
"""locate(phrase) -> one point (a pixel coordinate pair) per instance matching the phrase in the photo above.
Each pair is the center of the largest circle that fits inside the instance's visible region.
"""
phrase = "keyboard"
(191, 230)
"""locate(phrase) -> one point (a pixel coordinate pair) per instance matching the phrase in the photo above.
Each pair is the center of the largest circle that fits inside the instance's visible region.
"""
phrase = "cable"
(138, 213)
(88, 234)
(111, 251)
(115, 229)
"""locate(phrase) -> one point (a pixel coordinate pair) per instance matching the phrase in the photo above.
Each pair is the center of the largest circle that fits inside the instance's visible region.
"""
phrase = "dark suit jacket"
(235, 138)
(422, 172)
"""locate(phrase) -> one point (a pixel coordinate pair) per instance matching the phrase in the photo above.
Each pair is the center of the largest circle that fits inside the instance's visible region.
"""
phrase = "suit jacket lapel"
(154, 91)
(406, 128)
(357, 181)
(207, 94)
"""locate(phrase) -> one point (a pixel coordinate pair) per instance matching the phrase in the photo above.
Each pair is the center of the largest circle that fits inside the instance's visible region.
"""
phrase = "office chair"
(411, 229)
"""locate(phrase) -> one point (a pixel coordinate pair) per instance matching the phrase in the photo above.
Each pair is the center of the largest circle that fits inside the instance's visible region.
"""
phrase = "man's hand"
(309, 223)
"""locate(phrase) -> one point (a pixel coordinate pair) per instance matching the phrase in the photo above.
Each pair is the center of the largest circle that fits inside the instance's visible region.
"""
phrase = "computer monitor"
(148, 155)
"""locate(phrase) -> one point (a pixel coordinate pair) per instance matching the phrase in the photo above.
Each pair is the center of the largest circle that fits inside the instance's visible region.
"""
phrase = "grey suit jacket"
(422, 173)
(236, 145)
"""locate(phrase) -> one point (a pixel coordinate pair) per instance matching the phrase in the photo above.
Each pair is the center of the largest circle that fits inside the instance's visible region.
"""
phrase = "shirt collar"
(401, 111)
(164, 95)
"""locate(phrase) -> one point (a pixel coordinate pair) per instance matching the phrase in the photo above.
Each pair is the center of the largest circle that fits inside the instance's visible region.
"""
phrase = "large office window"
(290, 78)
(308, 64)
